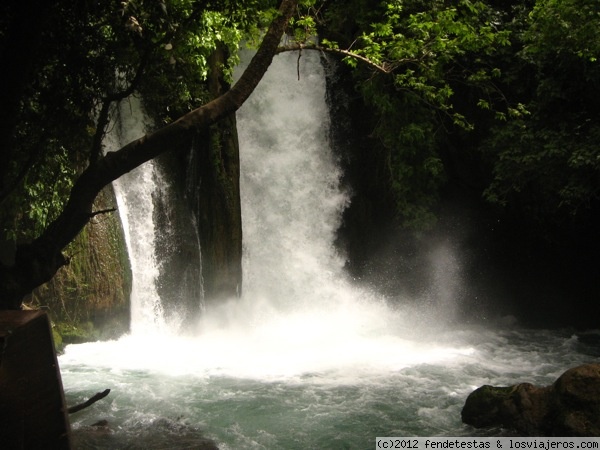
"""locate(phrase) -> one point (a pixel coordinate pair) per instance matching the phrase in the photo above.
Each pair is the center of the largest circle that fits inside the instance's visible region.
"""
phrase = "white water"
(305, 359)
(299, 314)
(134, 200)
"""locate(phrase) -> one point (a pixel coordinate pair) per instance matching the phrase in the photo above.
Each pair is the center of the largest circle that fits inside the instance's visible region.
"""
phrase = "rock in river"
(569, 407)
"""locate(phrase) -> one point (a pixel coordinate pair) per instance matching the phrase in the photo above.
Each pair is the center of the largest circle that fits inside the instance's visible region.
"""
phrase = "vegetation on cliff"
(89, 298)
(490, 98)
(126, 47)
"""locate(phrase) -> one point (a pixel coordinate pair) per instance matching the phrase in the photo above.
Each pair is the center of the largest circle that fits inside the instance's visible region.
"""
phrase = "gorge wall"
(205, 188)
(542, 275)
(89, 298)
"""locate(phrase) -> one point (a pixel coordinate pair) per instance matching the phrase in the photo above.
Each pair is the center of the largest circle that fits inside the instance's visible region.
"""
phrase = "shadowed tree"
(36, 262)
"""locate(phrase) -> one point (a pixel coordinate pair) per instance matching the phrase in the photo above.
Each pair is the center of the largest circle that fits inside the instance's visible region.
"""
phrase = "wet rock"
(569, 407)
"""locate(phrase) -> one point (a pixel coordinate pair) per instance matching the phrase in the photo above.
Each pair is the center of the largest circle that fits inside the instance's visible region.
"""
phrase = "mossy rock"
(71, 334)
(569, 407)
(95, 286)
(485, 406)
(58, 341)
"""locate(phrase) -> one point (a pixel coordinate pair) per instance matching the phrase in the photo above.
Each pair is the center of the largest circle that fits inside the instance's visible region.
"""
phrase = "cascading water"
(305, 359)
(299, 314)
(291, 198)
(155, 237)
(134, 200)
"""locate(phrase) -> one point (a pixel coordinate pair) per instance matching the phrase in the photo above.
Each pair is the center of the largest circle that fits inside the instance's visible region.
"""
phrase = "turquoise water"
(156, 407)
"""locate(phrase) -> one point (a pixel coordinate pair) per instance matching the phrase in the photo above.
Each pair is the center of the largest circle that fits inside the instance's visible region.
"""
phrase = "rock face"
(176, 241)
(219, 215)
(89, 299)
(205, 178)
(569, 407)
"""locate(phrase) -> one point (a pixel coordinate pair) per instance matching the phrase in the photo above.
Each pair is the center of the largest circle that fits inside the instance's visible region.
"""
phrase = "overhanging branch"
(36, 263)
(385, 68)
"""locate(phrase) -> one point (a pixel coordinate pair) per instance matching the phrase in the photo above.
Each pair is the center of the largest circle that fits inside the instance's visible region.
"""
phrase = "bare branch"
(102, 211)
(88, 402)
(382, 68)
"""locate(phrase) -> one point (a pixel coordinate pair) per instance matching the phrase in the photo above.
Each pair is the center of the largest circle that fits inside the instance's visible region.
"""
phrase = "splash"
(299, 315)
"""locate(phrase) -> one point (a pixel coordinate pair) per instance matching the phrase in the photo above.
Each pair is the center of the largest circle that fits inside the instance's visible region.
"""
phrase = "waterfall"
(305, 359)
(136, 208)
(290, 186)
(161, 232)
(299, 312)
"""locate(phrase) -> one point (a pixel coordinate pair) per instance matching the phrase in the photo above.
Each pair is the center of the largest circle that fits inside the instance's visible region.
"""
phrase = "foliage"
(407, 130)
(564, 28)
(548, 162)
(423, 43)
(524, 73)
(93, 54)
(423, 49)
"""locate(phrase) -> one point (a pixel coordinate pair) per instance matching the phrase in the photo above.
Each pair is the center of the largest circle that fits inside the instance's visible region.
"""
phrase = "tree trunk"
(37, 262)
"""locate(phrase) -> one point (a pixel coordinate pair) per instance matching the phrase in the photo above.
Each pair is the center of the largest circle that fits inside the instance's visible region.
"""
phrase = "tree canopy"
(37, 261)
(549, 157)
(521, 79)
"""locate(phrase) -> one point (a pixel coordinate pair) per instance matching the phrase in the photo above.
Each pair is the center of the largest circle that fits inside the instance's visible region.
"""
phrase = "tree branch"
(382, 68)
(103, 116)
(36, 263)
(102, 211)
(88, 402)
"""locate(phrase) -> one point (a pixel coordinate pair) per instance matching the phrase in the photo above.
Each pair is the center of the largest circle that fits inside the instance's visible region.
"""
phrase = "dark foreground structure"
(33, 413)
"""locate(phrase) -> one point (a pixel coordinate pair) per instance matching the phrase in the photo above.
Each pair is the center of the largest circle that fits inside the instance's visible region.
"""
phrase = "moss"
(58, 341)
(95, 287)
(71, 334)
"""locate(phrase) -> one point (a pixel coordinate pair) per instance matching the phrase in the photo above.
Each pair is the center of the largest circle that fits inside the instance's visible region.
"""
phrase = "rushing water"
(134, 199)
(305, 360)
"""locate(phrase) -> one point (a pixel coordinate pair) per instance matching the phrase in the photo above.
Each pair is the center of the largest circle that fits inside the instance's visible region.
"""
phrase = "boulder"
(569, 407)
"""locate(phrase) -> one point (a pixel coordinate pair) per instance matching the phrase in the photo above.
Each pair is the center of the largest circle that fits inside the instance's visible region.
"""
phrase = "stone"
(569, 407)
